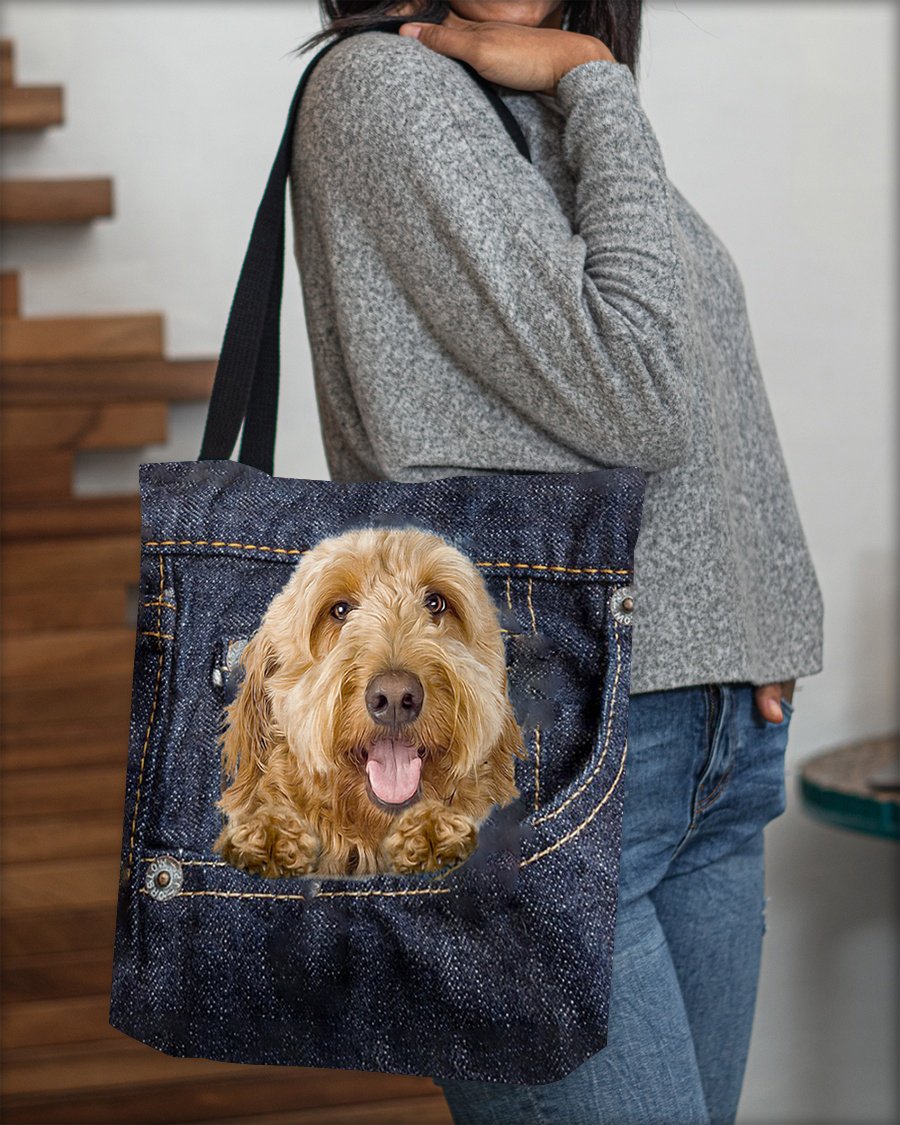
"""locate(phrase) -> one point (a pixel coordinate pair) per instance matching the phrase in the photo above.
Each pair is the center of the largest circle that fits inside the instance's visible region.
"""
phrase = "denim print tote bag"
(373, 799)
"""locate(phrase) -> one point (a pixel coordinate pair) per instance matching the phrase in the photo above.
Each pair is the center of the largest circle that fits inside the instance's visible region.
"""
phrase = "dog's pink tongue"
(393, 768)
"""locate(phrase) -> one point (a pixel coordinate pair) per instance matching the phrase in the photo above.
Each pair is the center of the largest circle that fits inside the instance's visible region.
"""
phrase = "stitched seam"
(303, 550)
(162, 657)
(537, 727)
(537, 767)
(710, 797)
(599, 765)
(583, 824)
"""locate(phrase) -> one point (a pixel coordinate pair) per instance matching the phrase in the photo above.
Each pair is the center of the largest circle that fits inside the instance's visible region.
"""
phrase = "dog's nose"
(394, 698)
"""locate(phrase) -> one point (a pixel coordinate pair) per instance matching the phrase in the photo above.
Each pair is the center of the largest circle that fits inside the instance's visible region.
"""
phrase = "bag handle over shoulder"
(247, 374)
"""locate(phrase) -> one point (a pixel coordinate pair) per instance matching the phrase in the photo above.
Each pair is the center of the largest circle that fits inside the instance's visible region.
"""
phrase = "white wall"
(776, 120)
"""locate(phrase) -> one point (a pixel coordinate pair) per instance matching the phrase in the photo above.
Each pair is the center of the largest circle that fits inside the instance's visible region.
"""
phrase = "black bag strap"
(247, 374)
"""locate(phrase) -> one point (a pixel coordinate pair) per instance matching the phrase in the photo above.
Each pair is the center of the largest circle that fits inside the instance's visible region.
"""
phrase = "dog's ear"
(250, 736)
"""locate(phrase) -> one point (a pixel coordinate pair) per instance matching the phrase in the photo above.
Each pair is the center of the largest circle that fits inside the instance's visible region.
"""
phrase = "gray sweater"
(470, 312)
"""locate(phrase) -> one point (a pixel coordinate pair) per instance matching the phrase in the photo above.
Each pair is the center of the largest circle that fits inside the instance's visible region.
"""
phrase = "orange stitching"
(564, 569)
(537, 728)
(319, 894)
(303, 550)
(229, 894)
(537, 767)
(162, 636)
(168, 605)
(161, 596)
(410, 891)
(137, 796)
(223, 543)
(578, 827)
(531, 608)
(597, 768)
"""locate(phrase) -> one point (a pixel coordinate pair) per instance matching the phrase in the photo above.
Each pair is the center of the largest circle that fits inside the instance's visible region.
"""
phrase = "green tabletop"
(856, 786)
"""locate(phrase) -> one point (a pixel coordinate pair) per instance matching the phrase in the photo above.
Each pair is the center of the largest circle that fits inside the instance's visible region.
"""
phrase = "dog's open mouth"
(393, 772)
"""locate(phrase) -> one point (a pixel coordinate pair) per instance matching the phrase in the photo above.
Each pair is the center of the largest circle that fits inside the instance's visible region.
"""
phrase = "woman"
(471, 312)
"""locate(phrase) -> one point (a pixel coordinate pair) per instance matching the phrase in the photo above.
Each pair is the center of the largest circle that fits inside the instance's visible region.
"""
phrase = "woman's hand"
(768, 699)
(509, 54)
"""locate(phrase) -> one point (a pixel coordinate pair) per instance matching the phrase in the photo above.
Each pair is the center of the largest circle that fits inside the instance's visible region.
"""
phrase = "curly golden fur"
(379, 667)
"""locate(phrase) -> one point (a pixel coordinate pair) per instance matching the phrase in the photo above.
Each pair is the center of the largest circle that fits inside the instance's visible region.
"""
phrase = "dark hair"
(617, 23)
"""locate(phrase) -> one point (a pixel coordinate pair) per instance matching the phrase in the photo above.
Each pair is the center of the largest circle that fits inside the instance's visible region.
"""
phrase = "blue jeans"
(704, 775)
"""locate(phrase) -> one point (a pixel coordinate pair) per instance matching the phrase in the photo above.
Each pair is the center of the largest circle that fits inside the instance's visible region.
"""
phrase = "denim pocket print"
(511, 765)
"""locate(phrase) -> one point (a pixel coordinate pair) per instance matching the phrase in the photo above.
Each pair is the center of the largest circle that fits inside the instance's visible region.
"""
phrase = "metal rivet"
(621, 604)
(164, 877)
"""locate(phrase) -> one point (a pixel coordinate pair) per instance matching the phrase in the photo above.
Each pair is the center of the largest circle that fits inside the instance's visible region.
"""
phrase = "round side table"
(856, 786)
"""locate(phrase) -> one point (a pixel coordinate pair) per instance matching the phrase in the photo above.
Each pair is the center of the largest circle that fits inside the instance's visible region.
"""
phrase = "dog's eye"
(340, 610)
(435, 603)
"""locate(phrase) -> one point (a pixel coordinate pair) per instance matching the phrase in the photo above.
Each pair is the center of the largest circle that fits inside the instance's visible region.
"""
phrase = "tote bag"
(373, 800)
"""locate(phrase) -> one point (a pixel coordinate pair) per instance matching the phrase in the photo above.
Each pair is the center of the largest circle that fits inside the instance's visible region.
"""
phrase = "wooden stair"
(68, 574)
(60, 200)
(26, 107)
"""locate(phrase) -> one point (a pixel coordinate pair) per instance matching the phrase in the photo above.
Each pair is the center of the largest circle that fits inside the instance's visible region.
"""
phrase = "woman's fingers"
(453, 36)
(510, 54)
(768, 699)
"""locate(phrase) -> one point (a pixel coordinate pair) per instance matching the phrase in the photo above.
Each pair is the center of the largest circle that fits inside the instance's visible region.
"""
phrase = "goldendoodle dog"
(372, 731)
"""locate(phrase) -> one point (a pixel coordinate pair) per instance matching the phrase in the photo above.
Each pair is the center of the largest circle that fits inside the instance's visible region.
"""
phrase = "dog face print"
(372, 731)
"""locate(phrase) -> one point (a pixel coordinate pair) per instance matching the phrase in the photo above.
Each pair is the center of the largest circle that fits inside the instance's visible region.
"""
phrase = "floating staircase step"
(113, 425)
(76, 672)
(7, 76)
(76, 339)
(193, 1102)
(9, 294)
(47, 836)
(89, 515)
(44, 744)
(61, 884)
(106, 699)
(35, 478)
(95, 789)
(181, 380)
(54, 931)
(55, 201)
(56, 660)
(64, 609)
(43, 1023)
(123, 1061)
(55, 976)
(38, 565)
(31, 107)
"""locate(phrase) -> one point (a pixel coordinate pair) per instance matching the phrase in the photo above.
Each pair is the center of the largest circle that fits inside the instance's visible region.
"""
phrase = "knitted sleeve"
(581, 330)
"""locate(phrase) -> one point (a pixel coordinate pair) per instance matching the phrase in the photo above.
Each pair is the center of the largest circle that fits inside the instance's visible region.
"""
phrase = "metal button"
(164, 878)
(621, 604)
